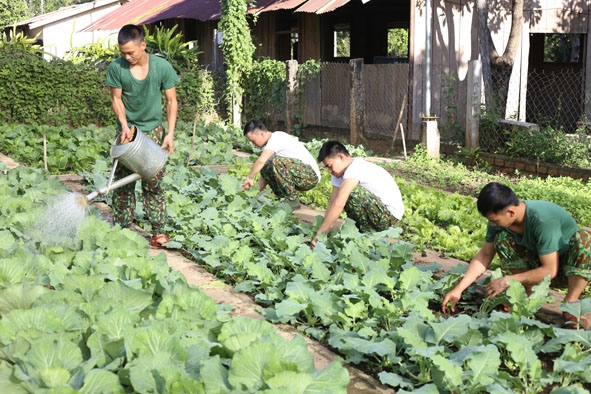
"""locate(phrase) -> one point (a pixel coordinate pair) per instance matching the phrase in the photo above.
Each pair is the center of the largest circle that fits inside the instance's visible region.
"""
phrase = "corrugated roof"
(203, 10)
(150, 11)
(321, 6)
(282, 5)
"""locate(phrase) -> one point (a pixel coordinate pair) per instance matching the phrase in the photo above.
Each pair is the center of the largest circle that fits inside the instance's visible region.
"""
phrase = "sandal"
(158, 241)
(571, 322)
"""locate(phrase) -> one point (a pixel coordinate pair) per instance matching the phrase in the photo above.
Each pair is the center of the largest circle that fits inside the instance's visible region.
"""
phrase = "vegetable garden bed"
(363, 295)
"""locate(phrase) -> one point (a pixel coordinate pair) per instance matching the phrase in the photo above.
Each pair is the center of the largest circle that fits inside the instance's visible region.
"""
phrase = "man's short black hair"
(254, 125)
(130, 33)
(330, 149)
(494, 197)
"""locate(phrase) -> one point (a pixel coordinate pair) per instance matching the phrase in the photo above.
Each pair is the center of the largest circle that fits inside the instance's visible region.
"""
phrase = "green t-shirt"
(548, 228)
(142, 99)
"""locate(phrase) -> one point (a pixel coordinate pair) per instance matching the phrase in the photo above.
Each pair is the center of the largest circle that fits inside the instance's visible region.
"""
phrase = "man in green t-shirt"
(533, 239)
(137, 81)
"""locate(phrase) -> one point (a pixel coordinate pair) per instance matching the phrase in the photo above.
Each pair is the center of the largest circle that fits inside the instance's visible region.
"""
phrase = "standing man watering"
(533, 239)
(137, 81)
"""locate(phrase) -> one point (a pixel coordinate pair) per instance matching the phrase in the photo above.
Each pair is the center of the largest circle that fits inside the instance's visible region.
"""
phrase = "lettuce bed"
(99, 314)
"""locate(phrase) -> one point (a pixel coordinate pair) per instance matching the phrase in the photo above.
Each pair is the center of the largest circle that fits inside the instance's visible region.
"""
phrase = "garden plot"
(365, 296)
(241, 304)
(98, 313)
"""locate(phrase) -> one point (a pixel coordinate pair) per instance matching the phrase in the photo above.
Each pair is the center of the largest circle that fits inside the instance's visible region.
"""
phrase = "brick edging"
(509, 164)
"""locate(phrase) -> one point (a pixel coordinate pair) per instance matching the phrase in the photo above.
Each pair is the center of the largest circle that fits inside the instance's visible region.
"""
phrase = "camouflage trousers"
(124, 198)
(368, 211)
(577, 262)
(287, 176)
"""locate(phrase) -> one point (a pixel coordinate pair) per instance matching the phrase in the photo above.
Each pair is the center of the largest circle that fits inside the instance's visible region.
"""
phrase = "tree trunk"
(496, 69)
(484, 49)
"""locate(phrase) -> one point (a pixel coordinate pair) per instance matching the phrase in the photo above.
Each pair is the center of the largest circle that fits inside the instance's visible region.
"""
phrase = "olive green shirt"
(548, 228)
(142, 98)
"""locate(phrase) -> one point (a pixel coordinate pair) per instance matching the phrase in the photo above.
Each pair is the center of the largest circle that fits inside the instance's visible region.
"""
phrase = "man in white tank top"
(366, 192)
(285, 164)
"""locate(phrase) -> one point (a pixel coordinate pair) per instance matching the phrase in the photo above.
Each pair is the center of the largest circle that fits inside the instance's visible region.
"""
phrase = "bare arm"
(171, 116)
(476, 268)
(336, 204)
(257, 167)
(119, 110)
(529, 278)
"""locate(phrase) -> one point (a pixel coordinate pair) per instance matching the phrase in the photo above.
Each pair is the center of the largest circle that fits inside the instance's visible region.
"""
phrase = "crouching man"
(533, 239)
(366, 192)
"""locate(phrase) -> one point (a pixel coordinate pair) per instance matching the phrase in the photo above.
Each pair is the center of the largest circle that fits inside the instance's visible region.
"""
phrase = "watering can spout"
(141, 155)
(118, 183)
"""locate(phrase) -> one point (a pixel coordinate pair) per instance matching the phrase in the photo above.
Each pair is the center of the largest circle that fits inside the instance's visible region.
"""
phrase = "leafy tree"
(12, 11)
(398, 42)
(492, 61)
(343, 43)
(238, 51)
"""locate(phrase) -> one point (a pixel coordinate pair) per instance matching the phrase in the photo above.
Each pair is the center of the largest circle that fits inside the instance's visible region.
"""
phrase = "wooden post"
(473, 91)
(357, 114)
(291, 99)
(430, 136)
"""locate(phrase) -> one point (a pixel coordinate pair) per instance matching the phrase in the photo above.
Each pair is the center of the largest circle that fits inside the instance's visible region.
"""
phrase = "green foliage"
(33, 90)
(363, 296)
(16, 43)
(343, 43)
(12, 11)
(265, 90)
(398, 43)
(548, 145)
(358, 292)
(165, 43)
(68, 150)
(237, 47)
(99, 53)
(38, 7)
(451, 130)
(439, 221)
(196, 95)
(102, 315)
(561, 48)
(307, 71)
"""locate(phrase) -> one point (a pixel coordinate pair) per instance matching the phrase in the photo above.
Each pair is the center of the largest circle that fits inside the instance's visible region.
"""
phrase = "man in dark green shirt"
(137, 81)
(533, 239)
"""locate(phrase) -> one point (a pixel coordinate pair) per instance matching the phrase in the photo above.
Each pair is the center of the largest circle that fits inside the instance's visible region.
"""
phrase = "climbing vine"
(238, 51)
(265, 91)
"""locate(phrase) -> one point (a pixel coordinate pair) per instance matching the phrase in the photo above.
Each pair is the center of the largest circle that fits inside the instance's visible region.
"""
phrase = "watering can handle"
(111, 175)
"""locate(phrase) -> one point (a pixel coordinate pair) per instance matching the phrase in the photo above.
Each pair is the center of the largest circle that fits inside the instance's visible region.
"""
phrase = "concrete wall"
(59, 30)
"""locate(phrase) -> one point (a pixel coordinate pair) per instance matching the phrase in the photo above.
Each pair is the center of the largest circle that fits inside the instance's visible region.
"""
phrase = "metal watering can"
(141, 155)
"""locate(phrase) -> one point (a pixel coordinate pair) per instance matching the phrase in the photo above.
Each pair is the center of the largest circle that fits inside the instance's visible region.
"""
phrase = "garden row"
(362, 295)
(96, 313)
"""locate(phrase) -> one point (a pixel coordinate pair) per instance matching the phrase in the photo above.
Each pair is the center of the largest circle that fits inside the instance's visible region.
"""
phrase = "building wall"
(62, 35)
(454, 42)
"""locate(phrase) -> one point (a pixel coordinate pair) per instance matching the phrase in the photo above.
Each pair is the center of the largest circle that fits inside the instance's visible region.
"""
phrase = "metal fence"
(554, 99)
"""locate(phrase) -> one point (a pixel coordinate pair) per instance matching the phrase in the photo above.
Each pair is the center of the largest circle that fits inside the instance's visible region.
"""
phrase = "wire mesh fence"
(554, 99)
